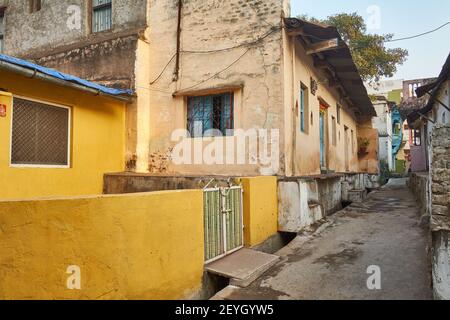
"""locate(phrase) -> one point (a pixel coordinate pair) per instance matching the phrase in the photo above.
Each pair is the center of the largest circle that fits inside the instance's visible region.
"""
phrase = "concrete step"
(243, 267)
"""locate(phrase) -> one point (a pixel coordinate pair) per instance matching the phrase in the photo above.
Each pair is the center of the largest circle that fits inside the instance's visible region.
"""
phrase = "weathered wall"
(383, 123)
(110, 62)
(128, 247)
(48, 29)
(305, 201)
(440, 213)
(260, 209)
(255, 76)
(97, 145)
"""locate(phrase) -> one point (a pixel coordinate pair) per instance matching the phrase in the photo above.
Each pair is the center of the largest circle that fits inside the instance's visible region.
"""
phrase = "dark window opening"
(211, 115)
(338, 114)
(35, 5)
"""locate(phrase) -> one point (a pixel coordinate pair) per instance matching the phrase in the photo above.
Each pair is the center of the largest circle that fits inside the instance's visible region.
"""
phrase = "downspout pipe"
(176, 73)
(34, 74)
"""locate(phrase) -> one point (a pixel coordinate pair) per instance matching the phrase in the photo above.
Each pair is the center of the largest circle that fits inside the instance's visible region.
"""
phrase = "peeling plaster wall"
(256, 77)
(127, 247)
(369, 162)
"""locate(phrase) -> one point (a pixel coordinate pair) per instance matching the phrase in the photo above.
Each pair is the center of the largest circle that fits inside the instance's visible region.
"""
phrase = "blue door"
(322, 140)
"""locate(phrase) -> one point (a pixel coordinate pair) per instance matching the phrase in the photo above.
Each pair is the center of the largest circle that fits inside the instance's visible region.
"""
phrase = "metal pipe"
(177, 62)
(35, 74)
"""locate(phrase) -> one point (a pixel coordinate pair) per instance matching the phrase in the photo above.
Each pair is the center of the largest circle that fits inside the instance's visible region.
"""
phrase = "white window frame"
(69, 136)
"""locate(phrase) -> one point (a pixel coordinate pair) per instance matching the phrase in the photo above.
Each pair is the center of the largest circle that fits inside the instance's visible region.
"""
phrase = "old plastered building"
(431, 125)
(263, 71)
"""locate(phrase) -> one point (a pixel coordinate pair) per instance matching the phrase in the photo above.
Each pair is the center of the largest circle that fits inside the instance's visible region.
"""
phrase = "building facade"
(55, 133)
(431, 125)
(223, 66)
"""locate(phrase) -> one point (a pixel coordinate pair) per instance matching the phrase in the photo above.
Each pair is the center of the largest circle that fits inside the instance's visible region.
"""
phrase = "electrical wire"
(165, 68)
(395, 40)
(421, 34)
(217, 73)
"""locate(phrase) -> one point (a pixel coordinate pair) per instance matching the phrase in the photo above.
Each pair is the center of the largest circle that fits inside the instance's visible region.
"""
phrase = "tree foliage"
(373, 59)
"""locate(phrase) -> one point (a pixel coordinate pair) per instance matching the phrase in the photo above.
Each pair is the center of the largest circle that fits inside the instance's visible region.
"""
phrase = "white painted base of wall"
(441, 265)
(304, 202)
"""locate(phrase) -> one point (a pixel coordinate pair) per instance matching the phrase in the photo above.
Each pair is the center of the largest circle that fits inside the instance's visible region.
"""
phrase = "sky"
(402, 18)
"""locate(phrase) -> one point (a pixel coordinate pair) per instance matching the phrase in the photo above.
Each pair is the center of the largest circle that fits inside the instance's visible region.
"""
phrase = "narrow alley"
(383, 231)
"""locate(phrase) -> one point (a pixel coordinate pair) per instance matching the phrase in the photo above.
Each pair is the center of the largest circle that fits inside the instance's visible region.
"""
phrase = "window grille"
(101, 15)
(207, 113)
(40, 134)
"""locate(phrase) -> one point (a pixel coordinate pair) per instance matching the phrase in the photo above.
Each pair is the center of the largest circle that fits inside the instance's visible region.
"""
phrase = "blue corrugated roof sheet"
(64, 76)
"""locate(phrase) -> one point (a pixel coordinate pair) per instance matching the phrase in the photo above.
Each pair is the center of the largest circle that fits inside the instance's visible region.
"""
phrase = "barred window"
(208, 113)
(40, 134)
(101, 15)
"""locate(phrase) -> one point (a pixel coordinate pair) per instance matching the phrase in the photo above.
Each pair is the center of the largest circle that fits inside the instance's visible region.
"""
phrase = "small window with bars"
(101, 15)
(40, 134)
(211, 115)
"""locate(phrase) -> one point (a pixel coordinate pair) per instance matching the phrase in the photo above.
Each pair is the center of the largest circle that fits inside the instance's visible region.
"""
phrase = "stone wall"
(59, 36)
(440, 215)
(441, 178)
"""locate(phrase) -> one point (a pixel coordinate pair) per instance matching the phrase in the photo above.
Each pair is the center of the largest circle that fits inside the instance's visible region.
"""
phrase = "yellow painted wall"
(260, 209)
(138, 246)
(98, 142)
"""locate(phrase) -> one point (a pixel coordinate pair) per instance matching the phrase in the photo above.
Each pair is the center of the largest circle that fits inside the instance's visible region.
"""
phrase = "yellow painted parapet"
(260, 209)
(138, 246)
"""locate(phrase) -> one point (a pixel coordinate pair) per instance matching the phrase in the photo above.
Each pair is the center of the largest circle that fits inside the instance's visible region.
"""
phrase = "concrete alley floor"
(332, 264)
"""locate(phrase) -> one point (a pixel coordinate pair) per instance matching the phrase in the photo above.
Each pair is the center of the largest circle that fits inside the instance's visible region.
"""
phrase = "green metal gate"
(224, 226)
